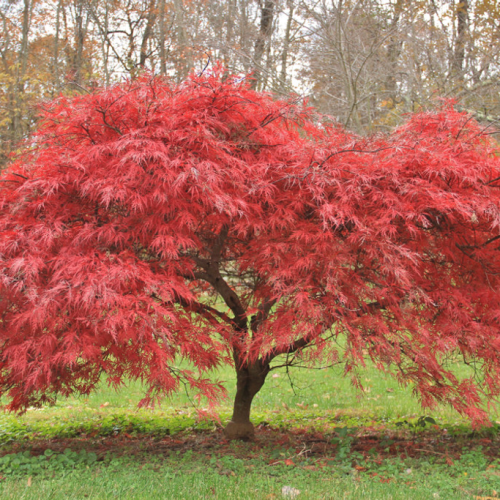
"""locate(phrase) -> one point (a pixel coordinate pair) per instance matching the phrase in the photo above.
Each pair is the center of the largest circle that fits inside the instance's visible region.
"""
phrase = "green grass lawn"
(316, 434)
(304, 391)
(189, 477)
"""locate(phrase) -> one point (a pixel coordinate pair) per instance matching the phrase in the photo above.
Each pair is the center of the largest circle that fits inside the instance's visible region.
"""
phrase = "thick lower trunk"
(250, 379)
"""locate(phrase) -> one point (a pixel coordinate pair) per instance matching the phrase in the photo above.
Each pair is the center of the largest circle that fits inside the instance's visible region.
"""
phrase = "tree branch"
(212, 275)
(296, 346)
(105, 121)
(205, 310)
(264, 309)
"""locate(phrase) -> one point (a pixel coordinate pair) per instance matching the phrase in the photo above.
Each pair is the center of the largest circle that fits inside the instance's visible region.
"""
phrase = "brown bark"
(105, 46)
(230, 19)
(286, 45)
(266, 28)
(163, 56)
(184, 63)
(148, 31)
(80, 33)
(17, 123)
(462, 27)
(393, 53)
(249, 380)
(56, 46)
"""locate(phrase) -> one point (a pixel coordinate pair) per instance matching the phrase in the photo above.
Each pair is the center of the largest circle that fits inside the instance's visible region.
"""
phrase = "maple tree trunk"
(250, 379)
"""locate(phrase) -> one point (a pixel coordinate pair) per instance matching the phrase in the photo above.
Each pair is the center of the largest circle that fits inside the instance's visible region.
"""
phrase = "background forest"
(365, 62)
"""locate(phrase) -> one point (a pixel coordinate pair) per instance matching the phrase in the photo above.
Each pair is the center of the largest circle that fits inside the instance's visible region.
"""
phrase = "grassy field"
(300, 391)
(316, 435)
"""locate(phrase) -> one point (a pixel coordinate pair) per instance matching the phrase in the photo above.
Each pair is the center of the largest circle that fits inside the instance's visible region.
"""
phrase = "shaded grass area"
(315, 434)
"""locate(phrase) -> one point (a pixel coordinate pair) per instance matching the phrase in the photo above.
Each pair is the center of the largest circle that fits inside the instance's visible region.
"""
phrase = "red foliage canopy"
(150, 222)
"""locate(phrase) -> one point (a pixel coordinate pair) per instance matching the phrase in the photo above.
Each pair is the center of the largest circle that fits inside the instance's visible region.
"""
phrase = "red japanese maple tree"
(152, 222)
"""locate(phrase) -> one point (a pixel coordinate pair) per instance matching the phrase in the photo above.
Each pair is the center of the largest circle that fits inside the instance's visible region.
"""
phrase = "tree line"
(365, 62)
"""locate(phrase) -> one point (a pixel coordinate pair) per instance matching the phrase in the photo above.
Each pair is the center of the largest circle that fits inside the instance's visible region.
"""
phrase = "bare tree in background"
(462, 15)
(16, 20)
(365, 62)
(348, 59)
(81, 21)
(263, 38)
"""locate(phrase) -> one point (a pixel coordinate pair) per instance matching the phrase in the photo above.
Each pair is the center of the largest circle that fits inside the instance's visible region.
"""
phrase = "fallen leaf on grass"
(29, 481)
(227, 473)
(289, 462)
(309, 467)
(104, 405)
